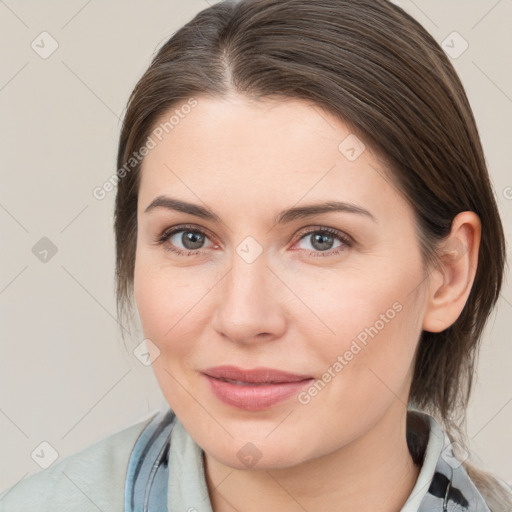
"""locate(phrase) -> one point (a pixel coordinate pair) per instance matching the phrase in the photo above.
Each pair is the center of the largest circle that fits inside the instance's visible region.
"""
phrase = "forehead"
(260, 153)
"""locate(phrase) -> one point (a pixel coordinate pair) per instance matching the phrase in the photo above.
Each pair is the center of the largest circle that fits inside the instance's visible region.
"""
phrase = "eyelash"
(347, 242)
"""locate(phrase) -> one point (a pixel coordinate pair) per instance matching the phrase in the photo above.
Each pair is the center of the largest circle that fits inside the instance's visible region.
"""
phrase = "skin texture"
(295, 308)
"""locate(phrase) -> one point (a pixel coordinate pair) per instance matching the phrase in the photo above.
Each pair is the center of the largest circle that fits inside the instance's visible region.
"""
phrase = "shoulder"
(445, 481)
(92, 479)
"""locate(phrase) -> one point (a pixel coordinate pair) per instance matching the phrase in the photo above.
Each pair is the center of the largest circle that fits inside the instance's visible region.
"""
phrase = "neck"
(374, 472)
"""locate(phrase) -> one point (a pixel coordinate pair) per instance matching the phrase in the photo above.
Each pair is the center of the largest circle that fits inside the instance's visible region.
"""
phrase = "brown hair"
(379, 71)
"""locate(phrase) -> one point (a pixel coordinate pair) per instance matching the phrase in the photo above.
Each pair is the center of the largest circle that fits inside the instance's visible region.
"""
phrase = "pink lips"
(253, 389)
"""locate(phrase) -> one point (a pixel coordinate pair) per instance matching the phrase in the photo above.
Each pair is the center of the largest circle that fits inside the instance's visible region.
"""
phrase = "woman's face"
(263, 289)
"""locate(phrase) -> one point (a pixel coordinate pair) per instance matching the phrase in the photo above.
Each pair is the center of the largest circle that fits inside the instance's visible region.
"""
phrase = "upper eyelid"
(305, 231)
(312, 229)
(176, 229)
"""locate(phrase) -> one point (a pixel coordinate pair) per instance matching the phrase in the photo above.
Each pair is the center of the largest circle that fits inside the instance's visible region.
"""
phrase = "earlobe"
(451, 282)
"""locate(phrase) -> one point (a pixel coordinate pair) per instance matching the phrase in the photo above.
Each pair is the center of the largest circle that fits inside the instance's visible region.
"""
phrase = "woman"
(305, 219)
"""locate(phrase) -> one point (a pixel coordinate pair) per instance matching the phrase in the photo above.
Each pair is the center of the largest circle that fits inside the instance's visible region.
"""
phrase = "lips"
(254, 389)
(260, 375)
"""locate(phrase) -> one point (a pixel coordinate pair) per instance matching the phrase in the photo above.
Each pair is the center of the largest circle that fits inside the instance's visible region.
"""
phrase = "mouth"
(260, 375)
(254, 389)
(245, 383)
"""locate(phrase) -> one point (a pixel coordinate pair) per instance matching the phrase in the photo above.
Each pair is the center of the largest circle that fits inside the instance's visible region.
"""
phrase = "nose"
(250, 303)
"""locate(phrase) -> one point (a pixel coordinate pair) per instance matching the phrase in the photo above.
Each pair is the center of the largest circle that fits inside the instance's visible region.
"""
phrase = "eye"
(323, 239)
(191, 240)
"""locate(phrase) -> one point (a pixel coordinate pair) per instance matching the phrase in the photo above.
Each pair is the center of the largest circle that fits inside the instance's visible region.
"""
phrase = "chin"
(250, 456)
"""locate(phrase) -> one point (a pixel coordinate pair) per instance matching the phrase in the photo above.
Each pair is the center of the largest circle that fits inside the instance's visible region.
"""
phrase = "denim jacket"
(156, 466)
(449, 487)
(442, 485)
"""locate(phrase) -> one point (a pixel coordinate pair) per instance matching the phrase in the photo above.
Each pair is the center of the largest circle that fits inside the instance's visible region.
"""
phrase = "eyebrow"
(286, 216)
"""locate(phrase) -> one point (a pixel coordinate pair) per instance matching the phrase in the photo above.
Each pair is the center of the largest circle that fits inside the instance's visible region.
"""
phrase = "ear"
(450, 284)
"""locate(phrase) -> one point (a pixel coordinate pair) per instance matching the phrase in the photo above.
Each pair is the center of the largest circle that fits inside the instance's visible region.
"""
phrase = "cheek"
(172, 304)
(357, 303)
(372, 327)
(164, 301)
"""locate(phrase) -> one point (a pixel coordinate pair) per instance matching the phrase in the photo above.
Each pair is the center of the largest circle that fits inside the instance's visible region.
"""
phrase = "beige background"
(65, 377)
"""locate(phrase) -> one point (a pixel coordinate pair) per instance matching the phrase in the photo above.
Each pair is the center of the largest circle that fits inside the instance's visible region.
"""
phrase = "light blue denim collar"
(443, 484)
(166, 472)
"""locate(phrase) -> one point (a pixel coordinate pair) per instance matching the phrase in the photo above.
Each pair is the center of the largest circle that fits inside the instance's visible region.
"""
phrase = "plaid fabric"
(451, 489)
